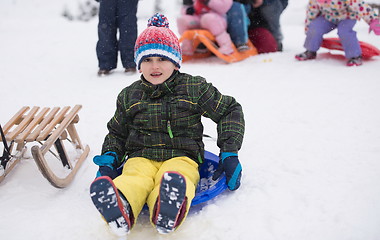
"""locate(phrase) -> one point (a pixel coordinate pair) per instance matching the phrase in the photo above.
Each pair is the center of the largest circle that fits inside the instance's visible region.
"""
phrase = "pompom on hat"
(158, 41)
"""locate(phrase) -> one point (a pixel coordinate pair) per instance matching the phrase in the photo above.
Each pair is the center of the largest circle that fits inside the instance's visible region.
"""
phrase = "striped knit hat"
(158, 41)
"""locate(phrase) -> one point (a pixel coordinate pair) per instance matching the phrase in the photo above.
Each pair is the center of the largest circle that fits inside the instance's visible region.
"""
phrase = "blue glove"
(230, 165)
(106, 163)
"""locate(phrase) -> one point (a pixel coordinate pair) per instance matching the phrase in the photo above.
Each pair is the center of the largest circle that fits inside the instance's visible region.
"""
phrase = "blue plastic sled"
(207, 189)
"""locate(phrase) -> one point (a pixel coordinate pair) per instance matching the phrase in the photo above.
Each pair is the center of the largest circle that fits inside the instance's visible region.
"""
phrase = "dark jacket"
(265, 2)
(163, 121)
(268, 2)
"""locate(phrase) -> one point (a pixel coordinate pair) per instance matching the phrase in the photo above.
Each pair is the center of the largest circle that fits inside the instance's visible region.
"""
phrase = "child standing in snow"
(238, 23)
(157, 124)
(326, 15)
(117, 32)
(209, 15)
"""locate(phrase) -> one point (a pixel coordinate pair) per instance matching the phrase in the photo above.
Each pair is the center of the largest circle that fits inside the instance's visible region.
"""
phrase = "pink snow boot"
(225, 43)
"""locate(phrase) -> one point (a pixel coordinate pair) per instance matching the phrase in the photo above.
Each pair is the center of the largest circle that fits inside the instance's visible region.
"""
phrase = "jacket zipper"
(168, 126)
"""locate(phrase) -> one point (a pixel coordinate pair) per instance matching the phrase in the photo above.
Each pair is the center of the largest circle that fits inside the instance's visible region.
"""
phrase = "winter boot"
(225, 43)
(307, 55)
(114, 208)
(130, 71)
(103, 72)
(171, 203)
(187, 47)
(279, 46)
(242, 47)
(356, 61)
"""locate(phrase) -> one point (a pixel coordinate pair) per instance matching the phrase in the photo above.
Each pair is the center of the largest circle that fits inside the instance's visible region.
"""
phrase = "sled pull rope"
(4, 140)
(6, 152)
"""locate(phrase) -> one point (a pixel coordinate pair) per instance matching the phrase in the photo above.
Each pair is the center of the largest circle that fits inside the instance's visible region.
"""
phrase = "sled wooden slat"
(14, 119)
(58, 118)
(57, 132)
(32, 125)
(52, 129)
(23, 124)
(33, 136)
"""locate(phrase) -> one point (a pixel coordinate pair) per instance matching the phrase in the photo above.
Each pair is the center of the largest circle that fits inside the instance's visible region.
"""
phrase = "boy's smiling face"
(157, 70)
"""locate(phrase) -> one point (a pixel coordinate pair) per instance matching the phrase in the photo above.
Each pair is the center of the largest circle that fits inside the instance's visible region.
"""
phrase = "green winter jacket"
(163, 121)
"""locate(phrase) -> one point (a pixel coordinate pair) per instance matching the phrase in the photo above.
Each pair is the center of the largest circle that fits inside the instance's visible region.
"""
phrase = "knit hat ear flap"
(158, 41)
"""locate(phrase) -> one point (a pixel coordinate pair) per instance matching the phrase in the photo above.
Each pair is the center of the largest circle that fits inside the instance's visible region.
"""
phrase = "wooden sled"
(368, 50)
(203, 36)
(48, 127)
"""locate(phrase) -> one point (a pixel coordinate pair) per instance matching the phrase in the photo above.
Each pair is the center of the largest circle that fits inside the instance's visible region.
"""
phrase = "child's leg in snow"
(183, 165)
(348, 38)
(314, 36)
(217, 25)
(237, 23)
(137, 181)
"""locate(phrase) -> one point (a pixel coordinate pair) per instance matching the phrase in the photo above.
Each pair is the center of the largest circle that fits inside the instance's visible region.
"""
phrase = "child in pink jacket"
(209, 15)
(325, 15)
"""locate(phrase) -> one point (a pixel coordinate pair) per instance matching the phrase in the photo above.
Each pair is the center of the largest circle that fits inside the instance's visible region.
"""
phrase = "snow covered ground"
(311, 155)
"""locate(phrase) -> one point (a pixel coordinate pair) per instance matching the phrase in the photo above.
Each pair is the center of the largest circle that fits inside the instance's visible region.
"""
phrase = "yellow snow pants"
(141, 177)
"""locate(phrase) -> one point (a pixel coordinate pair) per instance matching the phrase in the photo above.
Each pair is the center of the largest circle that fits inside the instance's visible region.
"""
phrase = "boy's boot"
(171, 203)
(307, 55)
(356, 61)
(114, 208)
(225, 43)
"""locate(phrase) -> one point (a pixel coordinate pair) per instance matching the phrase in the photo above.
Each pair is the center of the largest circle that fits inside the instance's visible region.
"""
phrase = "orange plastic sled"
(368, 50)
(203, 36)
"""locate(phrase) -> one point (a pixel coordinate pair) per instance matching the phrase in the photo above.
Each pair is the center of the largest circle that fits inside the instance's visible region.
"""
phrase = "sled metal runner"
(49, 127)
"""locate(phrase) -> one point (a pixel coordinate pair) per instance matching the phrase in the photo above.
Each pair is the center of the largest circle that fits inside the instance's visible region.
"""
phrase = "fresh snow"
(311, 154)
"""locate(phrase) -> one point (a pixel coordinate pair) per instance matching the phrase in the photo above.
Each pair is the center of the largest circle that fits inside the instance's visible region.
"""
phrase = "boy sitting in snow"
(157, 124)
(325, 15)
